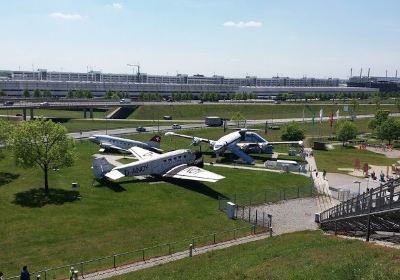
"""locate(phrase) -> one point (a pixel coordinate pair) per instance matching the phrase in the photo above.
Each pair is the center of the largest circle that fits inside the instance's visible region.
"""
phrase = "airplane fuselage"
(122, 143)
(158, 165)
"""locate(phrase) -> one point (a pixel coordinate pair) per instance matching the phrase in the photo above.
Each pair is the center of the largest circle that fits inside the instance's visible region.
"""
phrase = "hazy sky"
(316, 38)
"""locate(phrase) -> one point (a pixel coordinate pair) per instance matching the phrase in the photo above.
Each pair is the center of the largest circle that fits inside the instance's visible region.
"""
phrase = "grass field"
(75, 125)
(266, 111)
(303, 255)
(109, 218)
(344, 157)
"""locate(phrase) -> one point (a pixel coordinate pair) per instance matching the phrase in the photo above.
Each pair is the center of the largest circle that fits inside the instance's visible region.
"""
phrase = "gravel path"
(291, 215)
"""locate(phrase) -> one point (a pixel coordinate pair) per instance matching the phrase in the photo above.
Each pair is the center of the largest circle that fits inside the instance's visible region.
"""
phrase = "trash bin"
(230, 209)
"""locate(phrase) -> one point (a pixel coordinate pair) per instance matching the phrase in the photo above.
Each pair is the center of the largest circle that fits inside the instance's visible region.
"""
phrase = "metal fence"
(265, 196)
(100, 264)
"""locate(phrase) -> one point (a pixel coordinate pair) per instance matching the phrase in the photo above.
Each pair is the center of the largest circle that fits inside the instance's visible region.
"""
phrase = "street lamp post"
(359, 185)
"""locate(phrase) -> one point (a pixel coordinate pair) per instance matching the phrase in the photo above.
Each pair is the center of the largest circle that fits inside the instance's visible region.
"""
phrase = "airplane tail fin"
(100, 167)
(155, 141)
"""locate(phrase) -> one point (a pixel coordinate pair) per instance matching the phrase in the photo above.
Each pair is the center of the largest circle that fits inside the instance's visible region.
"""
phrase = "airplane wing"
(114, 175)
(141, 153)
(286, 142)
(106, 145)
(195, 139)
(195, 173)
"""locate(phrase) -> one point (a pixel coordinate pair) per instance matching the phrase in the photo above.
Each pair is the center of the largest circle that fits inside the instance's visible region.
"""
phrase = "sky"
(233, 38)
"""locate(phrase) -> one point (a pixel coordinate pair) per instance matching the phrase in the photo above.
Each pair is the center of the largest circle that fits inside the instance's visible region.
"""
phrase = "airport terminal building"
(13, 83)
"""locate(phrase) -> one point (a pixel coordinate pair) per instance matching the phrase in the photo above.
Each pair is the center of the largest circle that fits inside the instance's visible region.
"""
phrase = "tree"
(345, 131)
(26, 93)
(389, 130)
(397, 102)
(42, 143)
(292, 132)
(37, 93)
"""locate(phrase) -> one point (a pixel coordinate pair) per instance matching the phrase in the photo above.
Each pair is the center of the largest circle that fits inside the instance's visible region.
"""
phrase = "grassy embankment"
(257, 111)
(109, 218)
(303, 255)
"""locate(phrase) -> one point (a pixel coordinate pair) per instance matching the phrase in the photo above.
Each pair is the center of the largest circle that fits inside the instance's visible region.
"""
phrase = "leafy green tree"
(345, 131)
(397, 103)
(26, 93)
(42, 143)
(389, 130)
(292, 132)
(37, 93)
(47, 93)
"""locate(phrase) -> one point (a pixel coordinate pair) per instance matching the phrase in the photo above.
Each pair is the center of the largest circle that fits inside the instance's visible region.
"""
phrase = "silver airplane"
(232, 143)
(107, 142)
(180, 164)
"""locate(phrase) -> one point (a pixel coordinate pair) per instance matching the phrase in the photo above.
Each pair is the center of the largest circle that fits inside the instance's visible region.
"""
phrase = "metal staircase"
(375, 211)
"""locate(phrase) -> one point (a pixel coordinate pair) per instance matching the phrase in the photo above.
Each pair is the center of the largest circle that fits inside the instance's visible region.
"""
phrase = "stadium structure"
(13, 83)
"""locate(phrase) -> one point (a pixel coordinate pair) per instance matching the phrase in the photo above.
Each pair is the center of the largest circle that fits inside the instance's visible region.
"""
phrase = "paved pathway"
(166, 259)
(387, 153)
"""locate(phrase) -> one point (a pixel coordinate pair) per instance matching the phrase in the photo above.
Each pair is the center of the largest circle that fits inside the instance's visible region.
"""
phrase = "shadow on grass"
(36, 198)
(6, 178)
(195, 187)
(114, 186)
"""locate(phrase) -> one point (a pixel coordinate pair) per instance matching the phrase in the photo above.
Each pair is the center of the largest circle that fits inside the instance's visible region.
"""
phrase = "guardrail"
(115, 260)
(357, 212)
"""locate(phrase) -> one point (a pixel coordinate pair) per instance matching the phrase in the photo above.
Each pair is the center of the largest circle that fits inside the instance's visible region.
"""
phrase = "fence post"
(256, 218)
(214, 237)
(114, 261)
(193, 242)
(270, 231)
(270, 220)
(263, 219)
(249, 213)
(191, 250)
(82, 268)
(143, 254)
(369, 215)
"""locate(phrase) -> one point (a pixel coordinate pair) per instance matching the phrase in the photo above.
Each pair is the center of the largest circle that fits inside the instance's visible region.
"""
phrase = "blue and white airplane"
(232, 143)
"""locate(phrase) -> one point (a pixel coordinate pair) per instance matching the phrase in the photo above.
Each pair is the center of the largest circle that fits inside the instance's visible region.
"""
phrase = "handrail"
(382, 198)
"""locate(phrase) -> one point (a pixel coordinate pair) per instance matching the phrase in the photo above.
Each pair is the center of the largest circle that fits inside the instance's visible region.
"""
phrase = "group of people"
(381, 176)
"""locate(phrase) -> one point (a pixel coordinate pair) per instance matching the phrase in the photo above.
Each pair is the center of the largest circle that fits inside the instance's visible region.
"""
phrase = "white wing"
(141, 153)
(193, 173)
(193, 138)
(114, 175)
(106, 145)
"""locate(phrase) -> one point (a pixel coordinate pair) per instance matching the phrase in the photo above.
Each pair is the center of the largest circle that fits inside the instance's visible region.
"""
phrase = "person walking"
(25, 275)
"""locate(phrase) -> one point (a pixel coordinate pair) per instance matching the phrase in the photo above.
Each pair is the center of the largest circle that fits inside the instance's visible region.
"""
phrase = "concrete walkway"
(170, 258)
(325, 200)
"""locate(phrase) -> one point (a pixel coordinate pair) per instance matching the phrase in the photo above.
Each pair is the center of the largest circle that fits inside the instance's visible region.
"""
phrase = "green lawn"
(303, 255)
(258, 111)
(109, 218)
(344, 157)
(75, 125)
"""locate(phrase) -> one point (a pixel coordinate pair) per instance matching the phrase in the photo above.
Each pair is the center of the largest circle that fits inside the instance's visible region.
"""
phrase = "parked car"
(8, 103)
(167, 118)
(176, 126)
(44, 104)
(140, 129)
